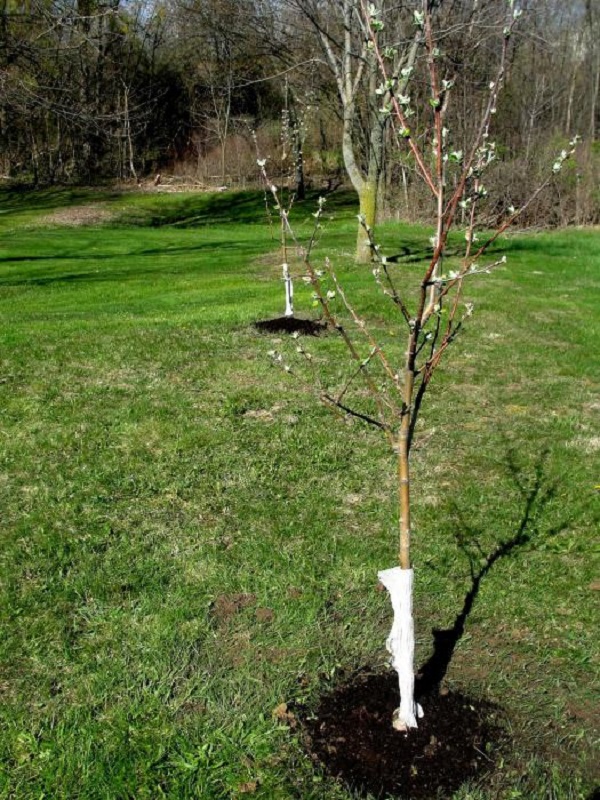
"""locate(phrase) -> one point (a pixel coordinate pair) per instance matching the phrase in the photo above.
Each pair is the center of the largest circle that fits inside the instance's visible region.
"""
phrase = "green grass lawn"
(188, 540)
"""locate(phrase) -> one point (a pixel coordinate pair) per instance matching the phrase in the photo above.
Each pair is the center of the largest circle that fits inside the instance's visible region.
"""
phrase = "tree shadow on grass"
(535, 497)
(222, 208)
(21, 199)
(460, 737)
(417, 255)
(147, 266)
(202, 209)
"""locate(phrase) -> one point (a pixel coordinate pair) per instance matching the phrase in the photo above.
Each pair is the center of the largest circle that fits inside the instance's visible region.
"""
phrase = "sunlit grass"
(154, 467)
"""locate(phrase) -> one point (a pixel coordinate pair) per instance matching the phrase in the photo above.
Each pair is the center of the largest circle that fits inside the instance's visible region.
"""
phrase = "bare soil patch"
(306, 327)
(226, 606)
(351, 736)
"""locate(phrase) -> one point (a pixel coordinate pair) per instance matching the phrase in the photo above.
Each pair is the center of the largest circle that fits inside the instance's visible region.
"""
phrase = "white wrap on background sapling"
(289, 291)
(401, 644)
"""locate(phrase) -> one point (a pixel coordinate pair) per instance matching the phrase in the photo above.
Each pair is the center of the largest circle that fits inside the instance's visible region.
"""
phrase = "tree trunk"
(399, 580)
(592, 19)
(368, 191)
(299, 180)
(367, 197)
(128, 139)
(595, 93)
(404, 490)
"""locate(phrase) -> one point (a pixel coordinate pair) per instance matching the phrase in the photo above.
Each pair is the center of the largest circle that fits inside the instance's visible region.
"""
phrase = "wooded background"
(96, 90)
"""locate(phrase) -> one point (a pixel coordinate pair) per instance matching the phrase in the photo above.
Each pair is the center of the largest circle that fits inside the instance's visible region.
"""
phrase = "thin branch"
(362, 327)
(392, 292)
(327, 398)
(355, 375)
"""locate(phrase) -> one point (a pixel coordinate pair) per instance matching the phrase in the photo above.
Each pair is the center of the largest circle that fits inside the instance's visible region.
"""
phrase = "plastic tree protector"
(289, 291)
(401, 644)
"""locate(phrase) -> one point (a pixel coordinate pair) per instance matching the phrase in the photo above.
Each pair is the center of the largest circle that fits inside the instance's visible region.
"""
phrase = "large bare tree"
(348, 53)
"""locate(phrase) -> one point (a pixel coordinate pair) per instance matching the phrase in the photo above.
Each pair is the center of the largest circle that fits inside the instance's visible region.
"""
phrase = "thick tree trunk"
(368, 192)
(367, 197)
(366, 187)
(367, 182)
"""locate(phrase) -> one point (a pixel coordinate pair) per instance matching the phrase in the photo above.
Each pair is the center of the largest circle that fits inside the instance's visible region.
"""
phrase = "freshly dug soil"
(351, 735)
(307, 327)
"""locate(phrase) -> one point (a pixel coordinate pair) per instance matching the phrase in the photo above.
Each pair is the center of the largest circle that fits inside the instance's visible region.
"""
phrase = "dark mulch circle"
(307, 327)
(351, 735)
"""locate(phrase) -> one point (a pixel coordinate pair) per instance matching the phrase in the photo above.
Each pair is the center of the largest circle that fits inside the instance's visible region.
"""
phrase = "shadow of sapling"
(536, 495)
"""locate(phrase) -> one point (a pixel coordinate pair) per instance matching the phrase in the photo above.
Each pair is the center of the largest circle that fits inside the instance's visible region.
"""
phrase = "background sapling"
(283, 212)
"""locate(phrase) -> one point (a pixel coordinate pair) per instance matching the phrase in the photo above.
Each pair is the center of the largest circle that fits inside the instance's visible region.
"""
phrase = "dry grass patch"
(89, 214)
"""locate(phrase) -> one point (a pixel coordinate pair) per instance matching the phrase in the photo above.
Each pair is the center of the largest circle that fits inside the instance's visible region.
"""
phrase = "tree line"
(94, 90)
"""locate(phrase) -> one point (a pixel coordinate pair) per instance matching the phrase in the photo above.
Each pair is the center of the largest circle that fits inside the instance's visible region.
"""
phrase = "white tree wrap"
(289, 291)
(401, 643)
